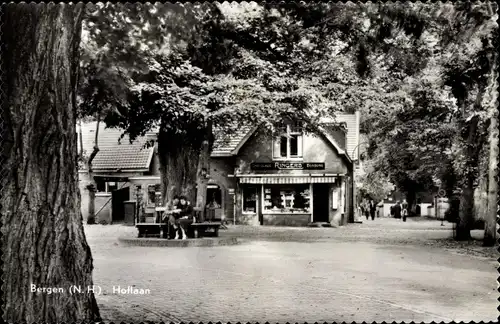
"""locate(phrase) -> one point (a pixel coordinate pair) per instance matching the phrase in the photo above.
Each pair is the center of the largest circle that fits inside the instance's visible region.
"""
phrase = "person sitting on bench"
(186, 215)
(173, 213)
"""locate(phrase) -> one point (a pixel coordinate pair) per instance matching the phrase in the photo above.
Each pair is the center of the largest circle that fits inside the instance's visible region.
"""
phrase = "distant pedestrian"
(405, 209)
(373, 208)
(367, 210)
(362, 208)
(397, 210)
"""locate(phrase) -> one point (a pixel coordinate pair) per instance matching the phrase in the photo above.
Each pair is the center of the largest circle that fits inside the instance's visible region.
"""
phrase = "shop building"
(291, 180)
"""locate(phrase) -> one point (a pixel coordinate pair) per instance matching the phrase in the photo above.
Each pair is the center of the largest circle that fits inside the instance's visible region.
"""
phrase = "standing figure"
(373, 209)
(367, 209)
(397, 210)
(405, 209)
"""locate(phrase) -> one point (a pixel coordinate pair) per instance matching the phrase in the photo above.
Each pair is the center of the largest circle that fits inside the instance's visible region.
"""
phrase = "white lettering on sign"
(282, 166)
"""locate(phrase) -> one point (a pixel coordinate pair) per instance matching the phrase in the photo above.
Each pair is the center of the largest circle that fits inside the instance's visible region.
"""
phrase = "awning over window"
(287, 180)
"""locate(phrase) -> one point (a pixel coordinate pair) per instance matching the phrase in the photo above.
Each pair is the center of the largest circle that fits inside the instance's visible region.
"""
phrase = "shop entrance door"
(320, 202)
(214, 203)
(118, 198)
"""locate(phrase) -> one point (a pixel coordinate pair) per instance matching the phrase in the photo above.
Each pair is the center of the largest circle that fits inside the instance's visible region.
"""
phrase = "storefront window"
(250, 200)
(287, 198)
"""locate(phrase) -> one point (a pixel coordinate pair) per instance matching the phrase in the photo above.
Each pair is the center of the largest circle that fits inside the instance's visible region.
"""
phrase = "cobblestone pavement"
(360, 272)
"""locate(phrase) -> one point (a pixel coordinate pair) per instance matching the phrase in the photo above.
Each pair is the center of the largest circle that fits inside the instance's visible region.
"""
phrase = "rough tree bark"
(178, 165)
(43, 239)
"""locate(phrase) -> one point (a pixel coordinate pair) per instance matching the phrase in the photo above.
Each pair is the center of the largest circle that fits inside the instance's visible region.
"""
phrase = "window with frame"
(288, 144)
(105, 186)
(152, 194)
(286, 198)
(100, 185)
(249, 200)
(111, 186)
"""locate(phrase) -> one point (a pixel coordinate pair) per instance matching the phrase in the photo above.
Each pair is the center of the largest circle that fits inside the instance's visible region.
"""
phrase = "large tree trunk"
(43, 239)
(178, 165)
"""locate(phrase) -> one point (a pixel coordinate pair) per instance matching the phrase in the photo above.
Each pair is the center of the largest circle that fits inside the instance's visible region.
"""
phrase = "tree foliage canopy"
(419, 74)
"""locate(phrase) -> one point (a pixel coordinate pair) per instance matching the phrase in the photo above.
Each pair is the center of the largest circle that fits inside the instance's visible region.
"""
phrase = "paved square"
(379, 271)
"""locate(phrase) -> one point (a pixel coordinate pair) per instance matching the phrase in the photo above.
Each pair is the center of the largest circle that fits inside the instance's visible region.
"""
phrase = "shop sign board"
(287, 166)
(111, 179)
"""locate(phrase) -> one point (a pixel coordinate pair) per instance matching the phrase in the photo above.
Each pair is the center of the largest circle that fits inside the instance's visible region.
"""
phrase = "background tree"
(191, 86)
(43, 239)
(377, 58)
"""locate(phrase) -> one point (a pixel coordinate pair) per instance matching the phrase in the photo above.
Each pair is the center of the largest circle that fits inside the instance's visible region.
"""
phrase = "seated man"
(186, 215)
(172, 213)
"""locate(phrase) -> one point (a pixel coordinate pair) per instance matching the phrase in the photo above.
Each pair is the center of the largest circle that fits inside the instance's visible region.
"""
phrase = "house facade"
(293, 180)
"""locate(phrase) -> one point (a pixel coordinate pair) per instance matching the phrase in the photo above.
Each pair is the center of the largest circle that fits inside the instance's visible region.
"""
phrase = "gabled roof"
(113, 153)
(122, 155)
(230, 144)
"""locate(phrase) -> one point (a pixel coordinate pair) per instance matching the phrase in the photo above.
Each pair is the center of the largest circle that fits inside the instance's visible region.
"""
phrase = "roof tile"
(115, 153)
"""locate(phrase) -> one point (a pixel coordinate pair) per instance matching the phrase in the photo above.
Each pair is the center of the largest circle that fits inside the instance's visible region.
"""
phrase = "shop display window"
(287, 199)
(250, 200)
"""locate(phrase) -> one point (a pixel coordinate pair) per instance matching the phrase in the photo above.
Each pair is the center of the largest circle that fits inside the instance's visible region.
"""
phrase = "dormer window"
(288, 144)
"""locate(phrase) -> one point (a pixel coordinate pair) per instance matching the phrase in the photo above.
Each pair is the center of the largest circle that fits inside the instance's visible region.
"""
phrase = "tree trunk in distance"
(466, 210)
(465, 218)
(203, 169)
(410, 199)
(92, 188)
(490, 221)
(43, 239)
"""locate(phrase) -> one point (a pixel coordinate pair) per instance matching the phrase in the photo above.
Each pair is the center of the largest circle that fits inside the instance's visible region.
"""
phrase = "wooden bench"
(196, 230)
(200, 229)
(152, 229)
